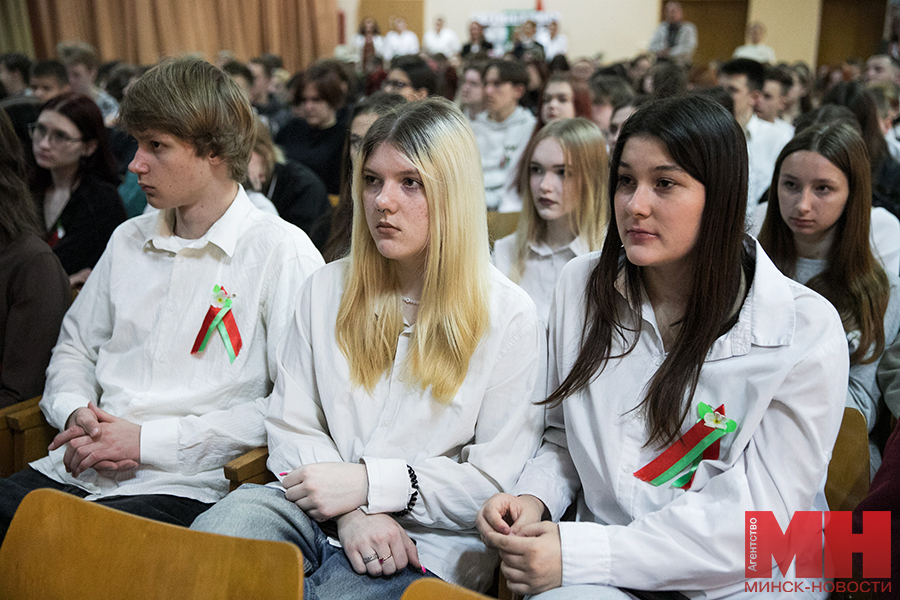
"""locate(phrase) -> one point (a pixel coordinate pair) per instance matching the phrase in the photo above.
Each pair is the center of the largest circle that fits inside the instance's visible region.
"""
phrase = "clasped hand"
(98, 440)
(327, 490)
(376, 544)
(530, 549)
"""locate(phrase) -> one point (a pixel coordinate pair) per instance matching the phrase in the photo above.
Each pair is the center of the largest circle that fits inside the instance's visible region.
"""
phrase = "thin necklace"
(410, 300)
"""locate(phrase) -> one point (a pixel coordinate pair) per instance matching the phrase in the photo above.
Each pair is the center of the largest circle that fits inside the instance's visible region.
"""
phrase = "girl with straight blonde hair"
(565, 211)
(407, 386)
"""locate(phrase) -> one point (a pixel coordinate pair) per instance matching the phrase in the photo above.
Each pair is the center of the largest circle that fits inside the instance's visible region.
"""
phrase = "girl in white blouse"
(406, 388)
(680, 333)
(817, 232)
(564, 208)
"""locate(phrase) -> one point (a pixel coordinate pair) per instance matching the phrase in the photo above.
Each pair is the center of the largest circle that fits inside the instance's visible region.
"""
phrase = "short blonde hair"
(196, 102)
(587, 162)
(453, 317)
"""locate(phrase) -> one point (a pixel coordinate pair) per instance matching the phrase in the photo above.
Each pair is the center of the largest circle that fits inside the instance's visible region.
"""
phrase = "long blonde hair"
(454, 312)
(584, 150)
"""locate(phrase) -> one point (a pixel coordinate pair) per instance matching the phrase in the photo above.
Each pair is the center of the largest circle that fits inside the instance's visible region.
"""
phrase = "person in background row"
(363, 116)
(411, 77)
(316, 137)
(526, 42)
(15, 74)
(755, 49)
(608, 93)
(35, 286)
(563, 98)
(82, 67)
(471, 92)
(369, 44)
(477, 44)
(675, 39)
(400, 41)
(298, 194)
(743, 79)
(554, 43)
(646, 342)
(502, 132)
(441, 40)
(817, 232)
(438, 357)
(772, 100)
(49, 79)
(562, 182)
(75, 184)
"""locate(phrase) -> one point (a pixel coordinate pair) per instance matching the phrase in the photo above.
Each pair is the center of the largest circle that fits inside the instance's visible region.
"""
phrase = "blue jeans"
(262, 513)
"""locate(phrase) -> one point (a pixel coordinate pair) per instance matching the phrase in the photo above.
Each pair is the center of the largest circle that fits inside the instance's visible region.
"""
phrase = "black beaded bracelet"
(414, 483)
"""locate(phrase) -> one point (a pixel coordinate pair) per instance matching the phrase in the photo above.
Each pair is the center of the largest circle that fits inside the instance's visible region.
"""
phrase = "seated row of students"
(399, 390)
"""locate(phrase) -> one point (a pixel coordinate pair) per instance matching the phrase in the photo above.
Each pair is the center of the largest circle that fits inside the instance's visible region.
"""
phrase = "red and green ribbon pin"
(699, 442)
(220, 318)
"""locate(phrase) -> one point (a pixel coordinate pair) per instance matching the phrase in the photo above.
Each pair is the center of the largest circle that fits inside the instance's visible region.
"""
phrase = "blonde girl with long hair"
(407, 386)
(564, 207)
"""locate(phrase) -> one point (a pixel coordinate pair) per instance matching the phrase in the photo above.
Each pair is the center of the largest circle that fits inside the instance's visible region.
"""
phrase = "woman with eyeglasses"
(74, 185)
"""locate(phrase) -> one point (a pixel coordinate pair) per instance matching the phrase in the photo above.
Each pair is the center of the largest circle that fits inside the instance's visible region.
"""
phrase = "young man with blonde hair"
(165, 360)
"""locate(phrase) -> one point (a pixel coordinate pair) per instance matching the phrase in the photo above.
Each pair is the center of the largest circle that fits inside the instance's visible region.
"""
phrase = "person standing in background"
(675, 39)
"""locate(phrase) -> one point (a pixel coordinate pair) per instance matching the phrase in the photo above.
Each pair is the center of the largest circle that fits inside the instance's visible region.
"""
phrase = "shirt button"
(384, 423)
(399, 377)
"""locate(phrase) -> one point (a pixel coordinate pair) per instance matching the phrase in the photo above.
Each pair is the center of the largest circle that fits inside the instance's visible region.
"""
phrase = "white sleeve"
(704, 527)
(71, 374)
(507, 434)
(295, 422)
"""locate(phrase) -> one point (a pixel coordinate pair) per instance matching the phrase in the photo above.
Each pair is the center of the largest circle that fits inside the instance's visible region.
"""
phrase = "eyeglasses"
(38, 132)
(394, 83)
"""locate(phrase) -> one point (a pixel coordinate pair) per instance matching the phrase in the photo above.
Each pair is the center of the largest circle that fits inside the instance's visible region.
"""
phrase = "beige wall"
(621, 28)
(793, 27)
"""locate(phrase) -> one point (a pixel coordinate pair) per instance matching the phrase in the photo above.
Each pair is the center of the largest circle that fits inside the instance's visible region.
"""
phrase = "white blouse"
(781, 373)
(543, 265)
(462, 452)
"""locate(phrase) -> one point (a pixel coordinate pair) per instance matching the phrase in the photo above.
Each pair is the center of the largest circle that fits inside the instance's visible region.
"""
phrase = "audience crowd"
(706, 261)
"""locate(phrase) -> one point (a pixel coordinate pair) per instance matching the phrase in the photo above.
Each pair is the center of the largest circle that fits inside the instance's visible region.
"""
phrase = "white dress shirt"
(126, 345)
(764, 143)
(462, 452)
(781, 373)
(543, 265)
(445, 42)
(400, 44)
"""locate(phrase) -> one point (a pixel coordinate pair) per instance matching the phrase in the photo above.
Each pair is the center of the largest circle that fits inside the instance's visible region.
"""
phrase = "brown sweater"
(34, 296)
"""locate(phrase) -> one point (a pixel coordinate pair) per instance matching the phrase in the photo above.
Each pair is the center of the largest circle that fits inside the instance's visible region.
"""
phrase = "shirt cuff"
(389, 485)
(585, 553)
(159, 445)
(63, 407)
(555, 501)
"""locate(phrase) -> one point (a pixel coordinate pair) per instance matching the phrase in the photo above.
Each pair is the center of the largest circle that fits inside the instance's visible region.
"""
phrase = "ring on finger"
(368, 559)
(384, 558)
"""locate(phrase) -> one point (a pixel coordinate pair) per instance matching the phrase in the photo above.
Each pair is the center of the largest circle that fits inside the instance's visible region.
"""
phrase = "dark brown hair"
(705, 141)
(17, 211)
(853, 281)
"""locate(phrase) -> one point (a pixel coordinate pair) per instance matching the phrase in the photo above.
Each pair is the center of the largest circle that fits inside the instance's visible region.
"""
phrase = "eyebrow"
(540, 164)
(410, 173)
(663, 168)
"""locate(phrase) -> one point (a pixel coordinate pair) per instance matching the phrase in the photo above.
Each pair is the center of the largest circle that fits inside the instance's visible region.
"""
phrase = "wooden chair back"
(59, 546)
(501, 225)
(435, 589)
(848, 471)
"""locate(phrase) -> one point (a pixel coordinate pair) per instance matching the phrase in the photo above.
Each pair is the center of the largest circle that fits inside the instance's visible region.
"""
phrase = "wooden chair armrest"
(31, 435)
(249, 468)
(7, 444)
